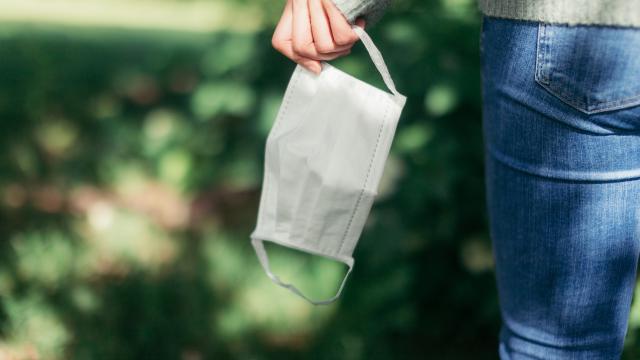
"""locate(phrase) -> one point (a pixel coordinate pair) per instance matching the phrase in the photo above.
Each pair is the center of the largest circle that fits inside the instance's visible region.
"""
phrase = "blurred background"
(131, 152)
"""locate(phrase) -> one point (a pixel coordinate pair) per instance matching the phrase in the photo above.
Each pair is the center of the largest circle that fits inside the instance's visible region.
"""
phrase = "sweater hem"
(620, 13)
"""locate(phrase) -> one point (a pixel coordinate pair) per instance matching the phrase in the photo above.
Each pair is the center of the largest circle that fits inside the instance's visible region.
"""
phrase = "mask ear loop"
(264, 261)
(258, 244)
(377, 59)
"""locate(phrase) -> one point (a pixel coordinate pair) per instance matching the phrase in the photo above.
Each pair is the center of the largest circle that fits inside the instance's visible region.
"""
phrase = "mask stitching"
(287, 100)
(369, 97)
(355, 209)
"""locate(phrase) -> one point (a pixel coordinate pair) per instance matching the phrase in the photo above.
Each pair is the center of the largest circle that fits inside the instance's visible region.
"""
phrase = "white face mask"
(324, 159)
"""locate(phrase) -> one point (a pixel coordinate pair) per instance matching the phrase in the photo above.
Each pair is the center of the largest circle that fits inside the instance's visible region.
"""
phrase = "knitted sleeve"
(370, 10)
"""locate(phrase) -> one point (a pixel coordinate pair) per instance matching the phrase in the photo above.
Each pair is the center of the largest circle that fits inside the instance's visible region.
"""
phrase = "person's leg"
(563, 185)
(566, 255)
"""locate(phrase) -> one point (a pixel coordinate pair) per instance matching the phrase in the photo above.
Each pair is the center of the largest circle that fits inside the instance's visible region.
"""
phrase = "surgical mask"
(324, 159)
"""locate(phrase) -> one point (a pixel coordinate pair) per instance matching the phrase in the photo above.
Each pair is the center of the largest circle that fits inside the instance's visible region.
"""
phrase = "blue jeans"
(561, 123)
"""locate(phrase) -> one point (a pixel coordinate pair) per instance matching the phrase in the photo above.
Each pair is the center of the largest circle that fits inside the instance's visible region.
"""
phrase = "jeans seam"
(541, 63)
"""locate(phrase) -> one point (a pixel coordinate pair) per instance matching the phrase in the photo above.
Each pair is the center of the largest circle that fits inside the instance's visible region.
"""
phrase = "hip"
(562, 101)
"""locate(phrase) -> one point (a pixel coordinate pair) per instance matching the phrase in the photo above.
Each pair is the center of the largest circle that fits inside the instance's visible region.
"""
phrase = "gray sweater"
(596, 12)
(370, 10)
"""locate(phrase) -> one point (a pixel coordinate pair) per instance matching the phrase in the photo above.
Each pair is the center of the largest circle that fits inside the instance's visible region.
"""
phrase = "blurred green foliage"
(131, 165)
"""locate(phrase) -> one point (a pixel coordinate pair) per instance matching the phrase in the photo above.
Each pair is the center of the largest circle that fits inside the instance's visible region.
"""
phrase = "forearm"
(370, 10)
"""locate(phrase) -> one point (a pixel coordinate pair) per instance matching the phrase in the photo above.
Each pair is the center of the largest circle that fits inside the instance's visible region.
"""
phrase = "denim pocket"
(591, 68)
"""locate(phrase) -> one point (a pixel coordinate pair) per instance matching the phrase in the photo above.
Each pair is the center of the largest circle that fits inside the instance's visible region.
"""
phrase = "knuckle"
(344, 39)
(341, 42)
(297, 48)
(302, 51)
(324, 48)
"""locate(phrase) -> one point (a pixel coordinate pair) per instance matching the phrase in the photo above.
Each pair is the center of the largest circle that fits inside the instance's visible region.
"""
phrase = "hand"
(311, 31)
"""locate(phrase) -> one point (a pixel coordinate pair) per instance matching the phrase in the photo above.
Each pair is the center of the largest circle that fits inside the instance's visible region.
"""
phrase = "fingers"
(301, 35)
(282, 40)
(311, 31)
(341, 30)
(321, 30)
(312, 36)
(335, 55)
(282, 33)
